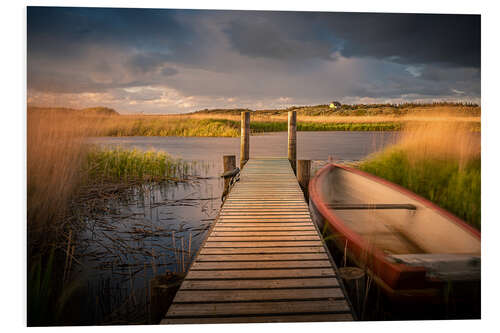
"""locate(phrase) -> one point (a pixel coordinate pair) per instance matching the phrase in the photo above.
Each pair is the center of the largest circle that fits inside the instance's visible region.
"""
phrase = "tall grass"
(59, 164)
(439, 161)
(119, 165)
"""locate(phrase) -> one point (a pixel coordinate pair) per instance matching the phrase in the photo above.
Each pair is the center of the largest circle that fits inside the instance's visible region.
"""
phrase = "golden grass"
(441, 140)
(54, 155)
(439, 161)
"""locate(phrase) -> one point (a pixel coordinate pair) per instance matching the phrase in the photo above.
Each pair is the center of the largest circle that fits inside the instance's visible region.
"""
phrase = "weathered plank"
(253, 308)
(293, 318)
(260, 274)
(260, 284)
(262, 257)
(190, 296)
(241, 265)
(263, 250)
(263, 244)
(228, 233)
(219, 238)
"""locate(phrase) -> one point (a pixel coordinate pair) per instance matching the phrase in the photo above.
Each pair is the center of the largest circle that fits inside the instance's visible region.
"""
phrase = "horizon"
(169, 61)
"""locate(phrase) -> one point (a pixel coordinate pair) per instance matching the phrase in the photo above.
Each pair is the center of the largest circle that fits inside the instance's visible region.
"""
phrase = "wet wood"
(264, 260)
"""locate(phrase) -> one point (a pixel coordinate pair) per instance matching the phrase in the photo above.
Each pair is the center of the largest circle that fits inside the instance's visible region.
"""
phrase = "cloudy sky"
(173, 61)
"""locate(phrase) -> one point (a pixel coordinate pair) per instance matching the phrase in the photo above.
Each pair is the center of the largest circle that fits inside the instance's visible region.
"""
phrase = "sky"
(159, 61)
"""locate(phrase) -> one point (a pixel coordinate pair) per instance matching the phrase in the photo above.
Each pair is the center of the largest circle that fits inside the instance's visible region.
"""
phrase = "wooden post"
(355, 285)
(292, 139)
(162, 289)
(229, 162)
(303, 175)
(245, 138)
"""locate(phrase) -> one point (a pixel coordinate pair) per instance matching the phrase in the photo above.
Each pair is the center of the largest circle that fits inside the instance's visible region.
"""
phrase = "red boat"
(411, 247)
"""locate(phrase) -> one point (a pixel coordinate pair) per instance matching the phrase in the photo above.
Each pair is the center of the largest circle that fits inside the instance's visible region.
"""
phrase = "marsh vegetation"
(439, 161)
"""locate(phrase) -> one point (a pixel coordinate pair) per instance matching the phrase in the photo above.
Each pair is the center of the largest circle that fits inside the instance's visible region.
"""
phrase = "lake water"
(310, 145)
(156, 228)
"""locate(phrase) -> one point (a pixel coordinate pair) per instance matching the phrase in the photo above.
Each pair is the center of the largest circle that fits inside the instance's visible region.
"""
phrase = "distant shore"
(226, 122)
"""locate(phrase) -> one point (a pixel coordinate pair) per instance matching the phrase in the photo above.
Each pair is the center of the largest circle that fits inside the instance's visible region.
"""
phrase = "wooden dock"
(263, 259)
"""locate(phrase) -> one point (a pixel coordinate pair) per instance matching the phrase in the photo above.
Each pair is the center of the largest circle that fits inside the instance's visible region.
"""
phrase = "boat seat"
(446, 266)
(371, 206)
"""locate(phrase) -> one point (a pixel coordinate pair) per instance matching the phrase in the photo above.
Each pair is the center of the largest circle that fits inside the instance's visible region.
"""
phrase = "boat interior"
(402, 227)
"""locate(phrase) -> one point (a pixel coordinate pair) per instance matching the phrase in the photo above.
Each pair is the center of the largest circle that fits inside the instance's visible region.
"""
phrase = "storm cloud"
(159, 60)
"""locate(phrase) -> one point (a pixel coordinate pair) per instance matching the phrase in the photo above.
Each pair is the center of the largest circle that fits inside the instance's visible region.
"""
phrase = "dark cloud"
(277, 35)
(410, 38)
(138, 55)
(453, 40)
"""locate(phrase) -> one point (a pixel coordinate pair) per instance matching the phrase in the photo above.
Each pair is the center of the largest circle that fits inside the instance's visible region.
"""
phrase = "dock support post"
(229, 162)
(303, 175)
(245, 138)
(292, 139)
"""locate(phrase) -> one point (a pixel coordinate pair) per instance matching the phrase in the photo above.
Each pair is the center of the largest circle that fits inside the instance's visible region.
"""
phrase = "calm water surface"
(157, 228)
(310, 145)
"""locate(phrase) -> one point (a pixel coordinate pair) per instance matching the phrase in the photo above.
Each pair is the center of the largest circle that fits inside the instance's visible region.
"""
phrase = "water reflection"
(150, 230)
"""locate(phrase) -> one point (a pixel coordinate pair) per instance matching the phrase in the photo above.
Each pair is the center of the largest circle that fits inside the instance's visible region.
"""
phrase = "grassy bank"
(441, 162)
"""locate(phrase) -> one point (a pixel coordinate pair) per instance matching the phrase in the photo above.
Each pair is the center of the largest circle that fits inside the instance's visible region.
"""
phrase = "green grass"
(442, 181)
(174, 127)
(121, 165)
(274, 126)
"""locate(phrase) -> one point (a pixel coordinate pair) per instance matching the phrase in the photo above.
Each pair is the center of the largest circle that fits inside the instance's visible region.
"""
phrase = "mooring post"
(245, 138)
(229, 162)
(303, 175)
(292, 139)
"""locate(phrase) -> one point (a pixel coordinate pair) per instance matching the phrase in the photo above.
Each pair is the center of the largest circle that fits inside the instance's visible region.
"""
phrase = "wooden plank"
(264, 264)
(310, 317)
(265, 225)
(262, 238)
(260, 284)
(263, 228)
(263, 209)
(232, 219)
(190, 296)
(262, 250)
(263, 244)
(262, 257)
(255, 308)
(261, 274)
(247, 233)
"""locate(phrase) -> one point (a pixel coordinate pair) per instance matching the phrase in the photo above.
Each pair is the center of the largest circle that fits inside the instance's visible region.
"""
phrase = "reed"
(122, 165)
(439, 161)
